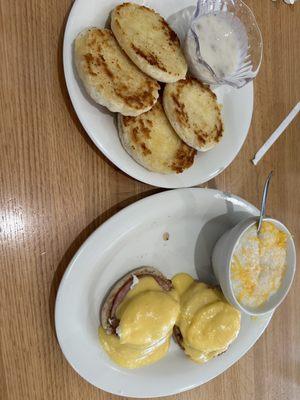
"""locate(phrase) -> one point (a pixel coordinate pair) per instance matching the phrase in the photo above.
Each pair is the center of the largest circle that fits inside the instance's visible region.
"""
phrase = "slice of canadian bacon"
(117, 293)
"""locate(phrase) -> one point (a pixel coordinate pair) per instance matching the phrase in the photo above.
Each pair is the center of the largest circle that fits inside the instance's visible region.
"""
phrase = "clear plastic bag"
(240, 21)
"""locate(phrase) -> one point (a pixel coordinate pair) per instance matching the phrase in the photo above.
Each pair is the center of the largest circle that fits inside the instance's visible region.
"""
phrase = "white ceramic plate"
(100, 125)
(195, 219)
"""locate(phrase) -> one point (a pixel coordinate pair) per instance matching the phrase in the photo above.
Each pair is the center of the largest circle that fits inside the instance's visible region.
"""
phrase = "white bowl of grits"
(255, 271)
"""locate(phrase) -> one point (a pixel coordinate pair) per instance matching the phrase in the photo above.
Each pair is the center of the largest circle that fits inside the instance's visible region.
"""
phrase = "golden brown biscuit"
(110, 77)
(194, 113)
(149, 41)
(152, 142)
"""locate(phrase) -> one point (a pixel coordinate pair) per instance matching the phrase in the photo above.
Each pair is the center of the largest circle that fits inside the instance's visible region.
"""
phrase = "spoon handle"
(263, 202)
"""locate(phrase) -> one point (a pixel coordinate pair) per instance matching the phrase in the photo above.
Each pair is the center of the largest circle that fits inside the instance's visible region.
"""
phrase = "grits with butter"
(258, 264)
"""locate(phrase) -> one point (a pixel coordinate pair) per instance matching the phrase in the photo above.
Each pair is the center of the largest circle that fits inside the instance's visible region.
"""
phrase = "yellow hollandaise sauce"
(207, 322)
(147, 316)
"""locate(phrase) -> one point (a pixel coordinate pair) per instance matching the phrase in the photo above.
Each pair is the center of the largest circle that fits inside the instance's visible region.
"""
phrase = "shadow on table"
(208, 237)
(78, 241)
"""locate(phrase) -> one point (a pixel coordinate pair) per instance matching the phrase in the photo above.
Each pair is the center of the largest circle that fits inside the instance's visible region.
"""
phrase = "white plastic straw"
(272, 139)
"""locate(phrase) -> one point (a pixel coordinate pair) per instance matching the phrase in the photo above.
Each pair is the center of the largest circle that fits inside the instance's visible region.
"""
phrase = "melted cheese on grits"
(258, 264)
(208, 324)
(147, 316)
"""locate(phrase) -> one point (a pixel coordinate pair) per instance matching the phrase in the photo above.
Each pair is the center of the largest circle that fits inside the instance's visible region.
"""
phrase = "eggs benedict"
(207, 323)
(137, 318)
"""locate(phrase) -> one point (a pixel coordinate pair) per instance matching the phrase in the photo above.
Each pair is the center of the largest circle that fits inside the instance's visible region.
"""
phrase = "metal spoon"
(263, 202)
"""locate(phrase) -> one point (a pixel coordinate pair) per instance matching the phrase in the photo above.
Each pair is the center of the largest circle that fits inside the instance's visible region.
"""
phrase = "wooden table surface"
(56, 188)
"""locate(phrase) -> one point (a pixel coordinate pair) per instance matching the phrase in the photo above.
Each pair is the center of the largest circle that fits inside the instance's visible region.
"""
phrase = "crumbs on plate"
(166, 236)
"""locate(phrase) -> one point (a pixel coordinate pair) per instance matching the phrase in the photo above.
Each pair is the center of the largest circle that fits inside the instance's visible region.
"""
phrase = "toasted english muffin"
(153, 143)
(194, 113)
(149, 41)
(207, 323)
(118, 291)
(110, 77)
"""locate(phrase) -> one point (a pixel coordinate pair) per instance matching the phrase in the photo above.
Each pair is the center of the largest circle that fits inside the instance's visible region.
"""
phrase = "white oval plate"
(99, 122)
(194, 219)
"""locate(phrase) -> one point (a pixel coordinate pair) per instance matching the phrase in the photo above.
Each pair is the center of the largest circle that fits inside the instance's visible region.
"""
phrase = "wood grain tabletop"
(56, 188)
